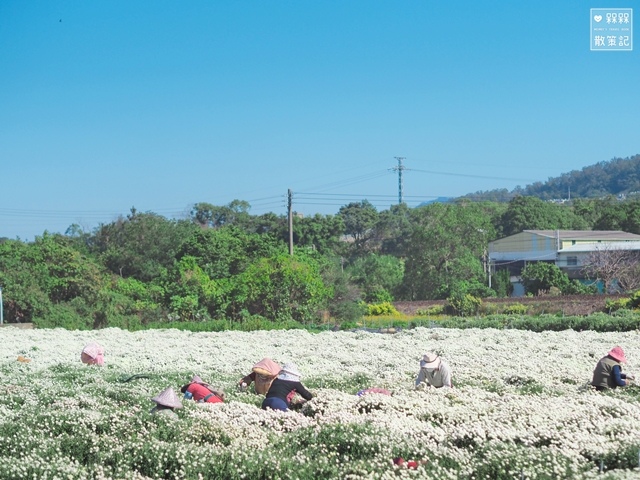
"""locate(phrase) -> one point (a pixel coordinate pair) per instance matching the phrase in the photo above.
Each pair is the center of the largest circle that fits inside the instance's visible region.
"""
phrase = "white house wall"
(523, 246)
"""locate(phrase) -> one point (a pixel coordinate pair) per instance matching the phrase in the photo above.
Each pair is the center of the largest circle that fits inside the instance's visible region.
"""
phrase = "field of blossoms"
(520, 407)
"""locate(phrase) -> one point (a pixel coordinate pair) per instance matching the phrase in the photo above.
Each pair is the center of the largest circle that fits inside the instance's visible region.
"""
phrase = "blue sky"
(108, 105)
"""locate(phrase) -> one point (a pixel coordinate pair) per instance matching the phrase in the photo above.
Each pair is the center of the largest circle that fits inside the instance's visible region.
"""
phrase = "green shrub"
(65, 316)
(349, 325)
(430, 311)
(380, 295)
(634, 300)
(489, 308)
(621, 321)
(347, 310)
(464, 304)
(618, 304)
(384, 308)
(515, 309)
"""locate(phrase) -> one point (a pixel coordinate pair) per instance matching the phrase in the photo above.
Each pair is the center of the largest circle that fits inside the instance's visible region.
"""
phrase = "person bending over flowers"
(608, 371)
(284, 388)
(263, 373)
(166, 402)
(434, 372)
(202, 392)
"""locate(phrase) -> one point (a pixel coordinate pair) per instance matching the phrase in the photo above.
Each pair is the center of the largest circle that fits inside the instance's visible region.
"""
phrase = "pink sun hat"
(92, 354)
(617, 354)
(266, 367)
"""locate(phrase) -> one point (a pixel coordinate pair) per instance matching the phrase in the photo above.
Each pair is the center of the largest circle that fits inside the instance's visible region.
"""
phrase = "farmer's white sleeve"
(421, 377)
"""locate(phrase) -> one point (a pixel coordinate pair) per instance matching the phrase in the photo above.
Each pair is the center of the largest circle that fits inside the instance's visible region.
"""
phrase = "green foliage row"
(621, 321)
(223, 264)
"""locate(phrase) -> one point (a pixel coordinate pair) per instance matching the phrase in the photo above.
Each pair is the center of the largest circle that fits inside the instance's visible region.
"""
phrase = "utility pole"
(289, 208)
(400, 168)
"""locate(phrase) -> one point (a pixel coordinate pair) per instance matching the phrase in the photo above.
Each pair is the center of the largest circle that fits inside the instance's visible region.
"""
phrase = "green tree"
(320, 232)
(501, 283)
(445, 248)
(282, 287)
(227, 251)
(345, 303)
(587, 209)
(208, 215)
(269, 224)
(632, 223)
(542, 276)
(393, 229)
(611, 215)
(192, 294)
(142, 245)
(359, 219)
(23, 296)
(618, 215)
(48, 277)
(378, 276)
(531, 213)
(64, 273)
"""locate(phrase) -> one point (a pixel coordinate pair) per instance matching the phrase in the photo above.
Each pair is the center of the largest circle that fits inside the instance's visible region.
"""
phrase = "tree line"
(618, 176)
(224, 263)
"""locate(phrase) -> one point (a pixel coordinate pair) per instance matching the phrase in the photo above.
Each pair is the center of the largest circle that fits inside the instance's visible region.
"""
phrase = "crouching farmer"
(202, 392)
(166, 402)
(284, 388)
(434, 372)
(608, 371)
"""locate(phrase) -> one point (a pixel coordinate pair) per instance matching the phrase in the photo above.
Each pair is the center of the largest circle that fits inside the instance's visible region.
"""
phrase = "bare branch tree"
(616, 268)
(629, 279)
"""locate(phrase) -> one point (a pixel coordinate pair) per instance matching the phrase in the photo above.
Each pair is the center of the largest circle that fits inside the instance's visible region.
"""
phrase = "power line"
(468, 175)
(361, 195)
(351, 181)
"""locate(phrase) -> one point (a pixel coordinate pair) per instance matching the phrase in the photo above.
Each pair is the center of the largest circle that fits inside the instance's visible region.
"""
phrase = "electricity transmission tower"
(400, 168)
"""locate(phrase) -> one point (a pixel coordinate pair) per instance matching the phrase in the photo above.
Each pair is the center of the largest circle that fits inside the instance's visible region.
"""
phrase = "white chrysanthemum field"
(519, 408)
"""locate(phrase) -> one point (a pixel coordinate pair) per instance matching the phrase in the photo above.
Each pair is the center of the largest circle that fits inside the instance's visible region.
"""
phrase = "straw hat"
(168, 398)
(266, 367)
(617, 354)
(430, 361)
(290, 372)
(197, 379)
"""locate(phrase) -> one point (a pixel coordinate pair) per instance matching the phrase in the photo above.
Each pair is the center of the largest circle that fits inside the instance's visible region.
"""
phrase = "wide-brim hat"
(267, 367)
(93, 350)
(430, 360)
(617, 354)
(290, 372)
(197, 379)
(168, 398)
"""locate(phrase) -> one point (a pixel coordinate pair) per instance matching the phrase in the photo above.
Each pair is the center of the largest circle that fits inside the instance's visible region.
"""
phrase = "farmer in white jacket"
(434, 372)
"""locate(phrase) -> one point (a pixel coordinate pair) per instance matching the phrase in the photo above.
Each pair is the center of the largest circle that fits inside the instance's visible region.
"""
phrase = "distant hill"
(438, 200)
(619, 177)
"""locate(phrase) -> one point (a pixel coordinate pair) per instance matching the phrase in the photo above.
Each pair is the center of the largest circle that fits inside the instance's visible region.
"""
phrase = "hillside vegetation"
(619, 177)
(224, 264)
